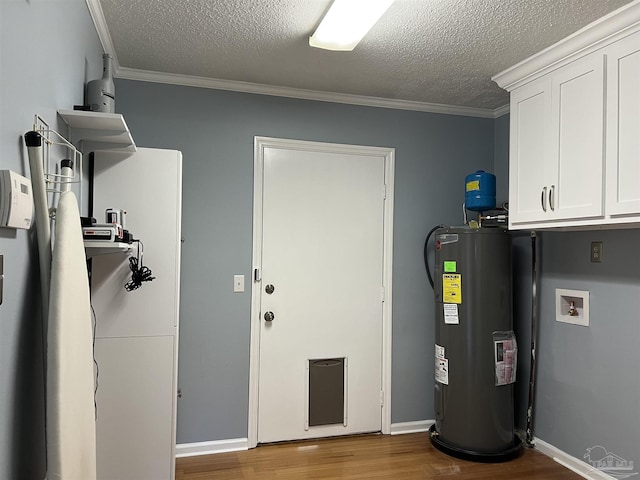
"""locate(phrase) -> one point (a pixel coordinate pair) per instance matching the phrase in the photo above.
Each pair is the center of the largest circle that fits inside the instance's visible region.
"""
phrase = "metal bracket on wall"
(56, 181)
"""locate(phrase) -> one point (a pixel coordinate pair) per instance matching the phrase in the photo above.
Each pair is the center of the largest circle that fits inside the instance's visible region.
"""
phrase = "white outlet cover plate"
(238, 283)
(563, 298)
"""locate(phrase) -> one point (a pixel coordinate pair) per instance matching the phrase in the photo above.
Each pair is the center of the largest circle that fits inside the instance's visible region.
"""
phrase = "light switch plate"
(238, 283)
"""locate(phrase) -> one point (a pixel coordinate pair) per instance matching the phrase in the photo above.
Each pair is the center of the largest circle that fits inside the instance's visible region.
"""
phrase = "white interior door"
(322, 251)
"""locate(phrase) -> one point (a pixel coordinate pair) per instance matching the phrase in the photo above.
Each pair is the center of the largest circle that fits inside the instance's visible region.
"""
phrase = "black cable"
(139, 272)
(426, 256)
(95, 362)
(534, 334)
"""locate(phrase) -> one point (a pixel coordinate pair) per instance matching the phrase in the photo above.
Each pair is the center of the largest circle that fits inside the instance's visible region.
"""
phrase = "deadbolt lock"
(269, 289)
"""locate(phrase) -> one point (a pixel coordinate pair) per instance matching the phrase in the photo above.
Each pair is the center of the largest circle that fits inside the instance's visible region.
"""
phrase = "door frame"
(260, 143)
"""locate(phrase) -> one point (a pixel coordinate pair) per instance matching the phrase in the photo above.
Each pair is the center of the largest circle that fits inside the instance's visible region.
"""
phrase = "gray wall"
(47, 50)
(215, 131)
(588, 389)
(501, 158)
(588, 380)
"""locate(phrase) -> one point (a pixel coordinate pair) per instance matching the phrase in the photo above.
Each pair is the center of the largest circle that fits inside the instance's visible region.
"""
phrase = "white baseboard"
(238, 444)
(411, 427)
(209, 448)
(572, 463)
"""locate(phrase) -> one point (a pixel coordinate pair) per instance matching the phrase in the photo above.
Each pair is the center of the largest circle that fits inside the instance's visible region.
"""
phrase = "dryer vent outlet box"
(16, 200)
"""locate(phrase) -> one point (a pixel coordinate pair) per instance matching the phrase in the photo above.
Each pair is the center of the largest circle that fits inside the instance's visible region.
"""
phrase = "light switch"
(238, 283)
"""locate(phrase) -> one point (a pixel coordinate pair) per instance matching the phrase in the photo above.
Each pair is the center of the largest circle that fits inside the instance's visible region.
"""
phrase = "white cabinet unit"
(529, 138)
(577, 156)
(575, 129)
(623, 127)
(134, 425)
(137, 332)
(556, 145)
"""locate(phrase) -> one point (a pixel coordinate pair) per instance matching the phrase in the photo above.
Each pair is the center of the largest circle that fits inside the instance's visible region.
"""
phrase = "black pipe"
(426, 256)
(534, 331)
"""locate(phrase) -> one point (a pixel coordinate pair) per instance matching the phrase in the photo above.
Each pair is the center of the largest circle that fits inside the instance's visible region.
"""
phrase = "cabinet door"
(148, 184)
(578, 140)
(528, 169)
(623, 127)
(135, 404)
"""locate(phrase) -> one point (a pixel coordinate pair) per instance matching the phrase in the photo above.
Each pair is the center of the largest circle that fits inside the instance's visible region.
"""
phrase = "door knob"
(269, 316)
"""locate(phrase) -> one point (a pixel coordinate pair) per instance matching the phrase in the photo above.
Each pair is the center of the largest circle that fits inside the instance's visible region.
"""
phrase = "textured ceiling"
(433, 51)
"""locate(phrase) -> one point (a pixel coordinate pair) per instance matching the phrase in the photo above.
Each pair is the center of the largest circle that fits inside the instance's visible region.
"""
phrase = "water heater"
(475, 350)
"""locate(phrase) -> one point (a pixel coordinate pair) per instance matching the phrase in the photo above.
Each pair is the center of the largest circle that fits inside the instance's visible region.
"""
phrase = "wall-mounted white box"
(572, 306)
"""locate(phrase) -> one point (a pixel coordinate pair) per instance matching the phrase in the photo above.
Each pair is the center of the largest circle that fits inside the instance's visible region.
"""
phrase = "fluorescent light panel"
(347, 22)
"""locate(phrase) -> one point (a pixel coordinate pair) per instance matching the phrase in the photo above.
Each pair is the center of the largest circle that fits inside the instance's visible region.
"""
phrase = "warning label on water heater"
(451, 314)
(442, 366)
(505, 356)
(452, 288)
(442, 371)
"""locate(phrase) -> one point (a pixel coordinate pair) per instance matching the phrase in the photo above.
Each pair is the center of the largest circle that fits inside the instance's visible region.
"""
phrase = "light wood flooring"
(362, 457)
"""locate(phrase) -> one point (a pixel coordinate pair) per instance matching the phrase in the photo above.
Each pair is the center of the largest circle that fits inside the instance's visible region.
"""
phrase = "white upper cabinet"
(623, 127)
(529, 143)
(556, 152)
(575, 129)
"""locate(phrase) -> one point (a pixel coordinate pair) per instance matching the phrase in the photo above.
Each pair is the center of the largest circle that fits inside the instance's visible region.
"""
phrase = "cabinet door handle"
(543, 199)
(552, 194)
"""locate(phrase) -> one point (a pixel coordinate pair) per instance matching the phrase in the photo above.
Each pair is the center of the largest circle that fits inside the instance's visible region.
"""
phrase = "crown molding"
(97, 15)
(262, 89)
(500, 111)
(100, 23)
(610, 28)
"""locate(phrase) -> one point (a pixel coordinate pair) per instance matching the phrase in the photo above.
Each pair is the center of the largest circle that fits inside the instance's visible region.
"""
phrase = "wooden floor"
(362, 457)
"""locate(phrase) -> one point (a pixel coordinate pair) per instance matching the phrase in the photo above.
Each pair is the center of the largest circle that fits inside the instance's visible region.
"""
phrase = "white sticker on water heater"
(439, 351)
(506, 357)
(442, 371)
(451, 314)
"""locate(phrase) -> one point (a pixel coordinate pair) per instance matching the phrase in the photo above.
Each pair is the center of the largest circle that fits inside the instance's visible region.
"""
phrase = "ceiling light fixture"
(347, 22)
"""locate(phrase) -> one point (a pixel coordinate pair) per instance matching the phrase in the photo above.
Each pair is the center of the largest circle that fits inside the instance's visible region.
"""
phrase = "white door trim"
(260, 143)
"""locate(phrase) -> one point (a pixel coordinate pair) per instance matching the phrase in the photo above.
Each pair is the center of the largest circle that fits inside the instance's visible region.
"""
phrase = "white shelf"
(98, 131)
(94, 247)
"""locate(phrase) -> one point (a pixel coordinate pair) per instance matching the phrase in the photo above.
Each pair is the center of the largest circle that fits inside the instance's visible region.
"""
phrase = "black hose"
(426, 256)
(534, 336)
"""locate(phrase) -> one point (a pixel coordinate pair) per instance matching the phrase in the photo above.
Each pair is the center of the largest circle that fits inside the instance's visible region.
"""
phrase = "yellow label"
(473, 185)
(452, 288)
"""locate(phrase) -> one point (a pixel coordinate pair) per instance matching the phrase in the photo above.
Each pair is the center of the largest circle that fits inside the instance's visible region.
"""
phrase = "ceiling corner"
(99, 21)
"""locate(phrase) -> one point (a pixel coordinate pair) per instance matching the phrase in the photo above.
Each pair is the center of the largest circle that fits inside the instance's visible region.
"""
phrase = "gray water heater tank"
(475, 351)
